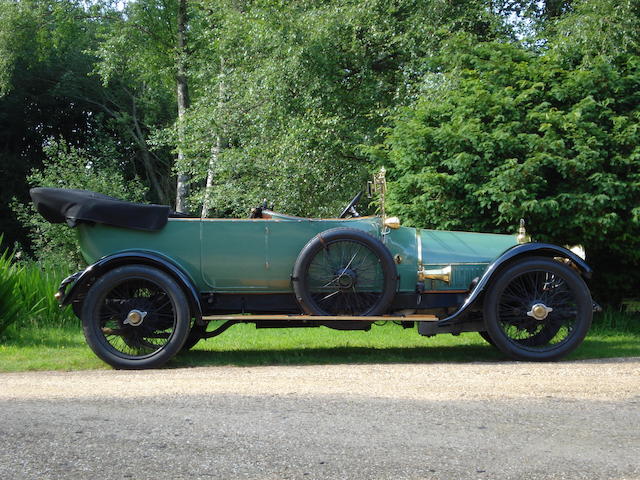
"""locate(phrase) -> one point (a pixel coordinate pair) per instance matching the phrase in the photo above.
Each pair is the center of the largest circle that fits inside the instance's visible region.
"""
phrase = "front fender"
(79, 282)
(513, 254)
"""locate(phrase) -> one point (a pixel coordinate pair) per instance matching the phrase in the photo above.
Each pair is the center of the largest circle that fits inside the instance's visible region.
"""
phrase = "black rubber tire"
(93, 329)
(325, 241)
(195, 335)
(485, 336)
(537, 346)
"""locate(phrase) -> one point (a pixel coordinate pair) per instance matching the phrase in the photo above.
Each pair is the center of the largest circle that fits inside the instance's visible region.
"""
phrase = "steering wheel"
(351, 208)
(256, 212)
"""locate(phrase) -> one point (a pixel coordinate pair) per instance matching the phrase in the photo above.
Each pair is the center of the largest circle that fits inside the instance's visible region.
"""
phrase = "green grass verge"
(48, 348)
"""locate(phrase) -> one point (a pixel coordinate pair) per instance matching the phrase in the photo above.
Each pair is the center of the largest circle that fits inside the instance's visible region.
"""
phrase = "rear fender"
(73, 287)
(513, 254)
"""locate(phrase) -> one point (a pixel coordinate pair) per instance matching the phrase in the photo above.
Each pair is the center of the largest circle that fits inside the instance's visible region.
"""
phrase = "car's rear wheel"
(485, 336)
(135, 317)
(196, 334)
(538, 309)
(344, 271)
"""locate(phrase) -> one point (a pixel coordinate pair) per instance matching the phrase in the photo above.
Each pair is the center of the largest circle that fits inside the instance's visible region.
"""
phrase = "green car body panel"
(257, 255)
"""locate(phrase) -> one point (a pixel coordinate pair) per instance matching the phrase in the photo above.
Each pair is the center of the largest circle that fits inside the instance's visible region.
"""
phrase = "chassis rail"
(322, 318)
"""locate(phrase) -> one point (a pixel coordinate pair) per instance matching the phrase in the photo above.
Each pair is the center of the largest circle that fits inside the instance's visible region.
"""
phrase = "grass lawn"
(48, 348)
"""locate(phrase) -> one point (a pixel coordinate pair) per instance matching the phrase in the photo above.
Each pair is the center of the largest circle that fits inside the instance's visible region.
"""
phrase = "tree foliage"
(48, 89)
(98, 168)
(291, 89)
(40, 45)
(506, 133)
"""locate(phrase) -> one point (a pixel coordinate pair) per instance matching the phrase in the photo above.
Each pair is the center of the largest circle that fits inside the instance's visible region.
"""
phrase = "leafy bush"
(506, 133)
(26, 295)
(97, 169)
(611, 320)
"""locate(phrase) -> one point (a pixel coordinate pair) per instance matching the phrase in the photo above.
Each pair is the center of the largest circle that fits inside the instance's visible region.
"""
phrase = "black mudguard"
(513, 254)
(75, 285)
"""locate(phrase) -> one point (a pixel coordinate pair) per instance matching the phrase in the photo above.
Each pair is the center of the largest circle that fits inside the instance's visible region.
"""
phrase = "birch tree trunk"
(182, 188)
(217, 147)
(215, 154)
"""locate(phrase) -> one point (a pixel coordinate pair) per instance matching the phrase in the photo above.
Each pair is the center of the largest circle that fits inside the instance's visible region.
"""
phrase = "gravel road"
(506, 420)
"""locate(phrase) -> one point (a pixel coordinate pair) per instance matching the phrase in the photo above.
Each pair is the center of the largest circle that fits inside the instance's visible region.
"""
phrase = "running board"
(321, 318)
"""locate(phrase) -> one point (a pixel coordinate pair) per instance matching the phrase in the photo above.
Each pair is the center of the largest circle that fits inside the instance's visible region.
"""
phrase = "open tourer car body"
(156, 280)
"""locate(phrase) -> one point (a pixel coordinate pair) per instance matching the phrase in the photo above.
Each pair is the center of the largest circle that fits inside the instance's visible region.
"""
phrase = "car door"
(233, 254)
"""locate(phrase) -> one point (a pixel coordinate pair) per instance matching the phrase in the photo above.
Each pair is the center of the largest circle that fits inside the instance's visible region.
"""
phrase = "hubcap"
(135, 318)
(539, 311)
(346, 278)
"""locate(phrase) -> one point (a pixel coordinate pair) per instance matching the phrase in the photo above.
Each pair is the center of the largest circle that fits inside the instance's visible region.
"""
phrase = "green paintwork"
(257, 255)
(468, 253)
(179, 241)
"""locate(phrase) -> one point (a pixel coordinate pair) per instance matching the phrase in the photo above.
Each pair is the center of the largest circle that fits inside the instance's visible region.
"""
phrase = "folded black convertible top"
(60, 205)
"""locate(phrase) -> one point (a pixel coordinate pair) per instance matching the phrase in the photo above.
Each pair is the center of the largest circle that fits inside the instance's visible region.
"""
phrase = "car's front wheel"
(538, 309)
(135, 317)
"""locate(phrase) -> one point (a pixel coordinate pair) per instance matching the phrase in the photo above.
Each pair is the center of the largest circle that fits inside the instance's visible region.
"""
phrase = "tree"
(158, 63)
(182, 189)
(596, 28)
(41, 44)
(49, 91)
(285, 92)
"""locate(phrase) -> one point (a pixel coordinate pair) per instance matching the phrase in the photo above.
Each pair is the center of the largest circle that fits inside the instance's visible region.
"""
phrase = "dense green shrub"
(97, 169)
(613, 320)
(505, 133)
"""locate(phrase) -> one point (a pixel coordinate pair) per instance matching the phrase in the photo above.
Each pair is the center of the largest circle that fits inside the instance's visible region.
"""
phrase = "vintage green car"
(157, 279)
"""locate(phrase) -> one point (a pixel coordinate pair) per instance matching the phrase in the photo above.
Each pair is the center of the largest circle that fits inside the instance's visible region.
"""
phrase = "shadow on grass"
(338, 355)
(70, 343)
(590, 349)
(607, 347)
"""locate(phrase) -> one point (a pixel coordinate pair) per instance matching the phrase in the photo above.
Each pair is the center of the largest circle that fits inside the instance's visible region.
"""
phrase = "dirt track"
(444, 421)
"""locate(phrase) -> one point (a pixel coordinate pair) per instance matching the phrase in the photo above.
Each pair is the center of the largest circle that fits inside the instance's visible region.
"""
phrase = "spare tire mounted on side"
(344, 271)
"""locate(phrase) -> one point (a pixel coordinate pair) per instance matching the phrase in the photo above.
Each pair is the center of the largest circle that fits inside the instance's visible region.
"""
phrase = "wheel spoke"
(518, 297)
(330, 295)
(345, 278)
(156, 328)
